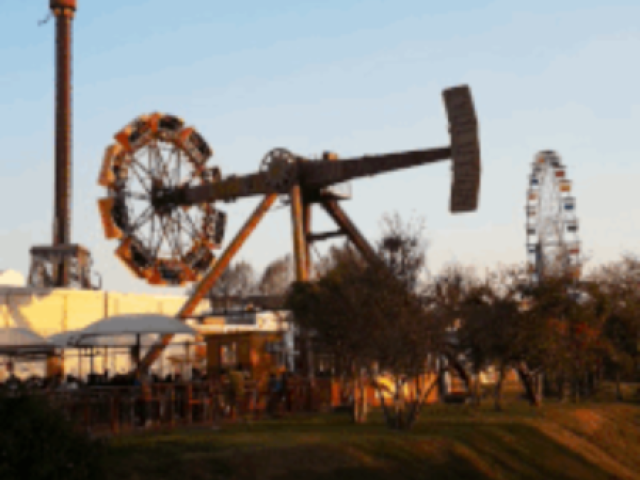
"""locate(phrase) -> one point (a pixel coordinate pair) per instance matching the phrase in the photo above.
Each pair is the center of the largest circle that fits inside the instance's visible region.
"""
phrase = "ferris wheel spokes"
(160, 241)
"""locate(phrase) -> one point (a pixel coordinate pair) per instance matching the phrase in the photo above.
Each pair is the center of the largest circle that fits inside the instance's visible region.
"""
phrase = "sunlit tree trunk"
(575, 389)
(422, 396)
(619, 396)
(477, 389)
(359, 398)
(398, 404)
(540, 387)
(388, 415)
(561, 382)
(528, 383)
(497, 394)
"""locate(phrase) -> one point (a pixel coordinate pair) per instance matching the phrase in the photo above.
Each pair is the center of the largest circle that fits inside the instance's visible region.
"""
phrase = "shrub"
(37, 442)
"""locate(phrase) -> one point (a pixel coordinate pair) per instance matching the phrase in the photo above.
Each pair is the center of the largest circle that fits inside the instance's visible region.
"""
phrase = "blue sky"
(354, 77)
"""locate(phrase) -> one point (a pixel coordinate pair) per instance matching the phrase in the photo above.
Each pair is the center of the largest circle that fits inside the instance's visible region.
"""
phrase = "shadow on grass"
(372, 459)
(451, 447)
(521, 451)
(454, 469)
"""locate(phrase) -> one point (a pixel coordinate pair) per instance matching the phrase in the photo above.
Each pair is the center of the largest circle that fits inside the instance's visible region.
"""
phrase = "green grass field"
(591, 440)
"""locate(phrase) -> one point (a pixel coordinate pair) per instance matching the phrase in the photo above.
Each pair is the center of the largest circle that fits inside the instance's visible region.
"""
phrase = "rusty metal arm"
(320, 174)
(340, 217)
(210, 279)
(311, 174)
(227, 189)
(317, 174)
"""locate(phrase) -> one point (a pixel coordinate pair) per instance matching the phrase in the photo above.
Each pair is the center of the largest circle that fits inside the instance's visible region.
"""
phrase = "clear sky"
(349, 76)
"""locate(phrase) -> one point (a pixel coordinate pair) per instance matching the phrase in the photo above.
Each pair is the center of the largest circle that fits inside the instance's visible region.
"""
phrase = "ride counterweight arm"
(311, 174)
(324, 173)
(227, 189)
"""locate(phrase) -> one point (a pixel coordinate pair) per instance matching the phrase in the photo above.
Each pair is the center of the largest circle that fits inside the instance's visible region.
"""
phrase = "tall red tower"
(64, 11)
(62, 264)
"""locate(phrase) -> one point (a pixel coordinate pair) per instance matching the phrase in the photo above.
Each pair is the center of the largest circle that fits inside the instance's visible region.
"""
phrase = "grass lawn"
(595, 440)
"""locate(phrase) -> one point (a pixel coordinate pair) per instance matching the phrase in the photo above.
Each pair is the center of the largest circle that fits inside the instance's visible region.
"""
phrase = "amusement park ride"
(553, 246)
(162, 197)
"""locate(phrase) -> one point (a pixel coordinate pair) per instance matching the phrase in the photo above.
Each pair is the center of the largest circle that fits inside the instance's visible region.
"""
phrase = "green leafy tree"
(328, 307)
(444, 297)
(372, 320)
(569, 319)
(491, 333)
(620, 280)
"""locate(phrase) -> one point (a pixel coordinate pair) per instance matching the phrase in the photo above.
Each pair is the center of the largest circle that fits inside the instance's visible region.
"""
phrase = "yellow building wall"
(57, 310)
(51, 311)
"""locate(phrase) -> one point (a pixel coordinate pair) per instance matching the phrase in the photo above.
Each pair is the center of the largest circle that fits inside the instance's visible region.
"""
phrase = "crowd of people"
(238, 398)
(240, 392)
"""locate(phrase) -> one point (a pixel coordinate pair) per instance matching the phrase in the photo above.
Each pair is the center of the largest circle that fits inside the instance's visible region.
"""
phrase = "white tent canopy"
(11, 278)
(75, 339)
(136, 324)
(17, 340)
(15, 336)
(64, 339)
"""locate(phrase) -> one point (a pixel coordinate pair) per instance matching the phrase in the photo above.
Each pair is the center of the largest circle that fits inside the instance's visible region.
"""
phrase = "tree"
(490, 332)
(326, 307)
(568, 320)
(558, 327)
(490, 327)
(444, 297)
(403, 337)
(373, 322)
(237, 280)
(406, 335)
(402, 248)
(620, 280)
(277, 276)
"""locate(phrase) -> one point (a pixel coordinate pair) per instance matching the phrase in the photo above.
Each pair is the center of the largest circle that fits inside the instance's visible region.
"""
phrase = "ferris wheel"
(162, 243)
(553, 245)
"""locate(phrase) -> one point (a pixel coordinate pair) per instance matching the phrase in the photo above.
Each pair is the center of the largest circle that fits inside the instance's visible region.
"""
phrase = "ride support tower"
(62, 264)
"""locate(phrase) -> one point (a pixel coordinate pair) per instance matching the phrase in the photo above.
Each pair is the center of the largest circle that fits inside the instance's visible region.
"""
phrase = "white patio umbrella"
(75, 339)
(22, 341)
(136, 324)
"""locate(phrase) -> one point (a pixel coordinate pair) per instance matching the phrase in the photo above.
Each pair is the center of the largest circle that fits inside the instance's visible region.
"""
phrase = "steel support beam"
(299, 240)
(342, 220)
(316, 237)
(212, 277)
(301, 250)
(306, 224)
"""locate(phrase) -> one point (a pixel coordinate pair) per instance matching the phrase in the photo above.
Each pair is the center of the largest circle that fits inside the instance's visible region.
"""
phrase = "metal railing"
(121, 409)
